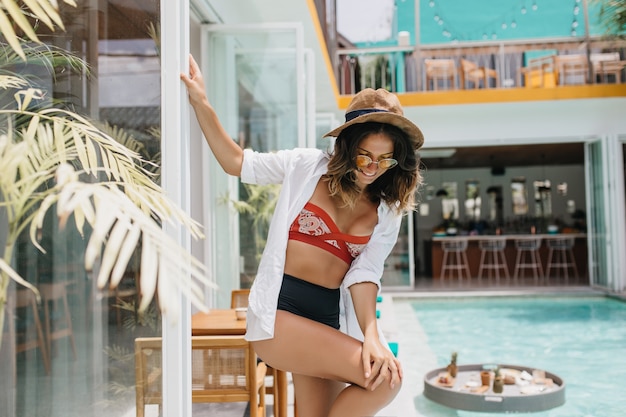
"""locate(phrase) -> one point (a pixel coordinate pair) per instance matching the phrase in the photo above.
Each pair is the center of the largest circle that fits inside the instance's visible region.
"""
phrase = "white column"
(175, 181)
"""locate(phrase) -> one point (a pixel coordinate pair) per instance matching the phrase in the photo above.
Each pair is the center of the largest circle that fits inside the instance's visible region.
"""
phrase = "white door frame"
(175, 142)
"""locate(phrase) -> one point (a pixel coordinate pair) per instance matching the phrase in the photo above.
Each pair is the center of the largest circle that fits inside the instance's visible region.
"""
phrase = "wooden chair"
(224, 369)
(538, 70)
(440, 70)
(25, 339)
(571, 69)
(57, 326)
(239, 298)
(605, 64)
(470, 72)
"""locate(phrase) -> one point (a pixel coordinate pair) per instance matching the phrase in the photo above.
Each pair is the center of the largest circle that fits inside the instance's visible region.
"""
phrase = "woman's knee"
(387, 392)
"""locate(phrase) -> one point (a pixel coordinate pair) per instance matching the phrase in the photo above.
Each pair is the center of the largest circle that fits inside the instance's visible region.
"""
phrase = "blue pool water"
(580, 339)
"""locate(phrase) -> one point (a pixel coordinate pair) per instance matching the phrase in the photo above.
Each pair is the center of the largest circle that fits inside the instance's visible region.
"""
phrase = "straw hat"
(380, 106)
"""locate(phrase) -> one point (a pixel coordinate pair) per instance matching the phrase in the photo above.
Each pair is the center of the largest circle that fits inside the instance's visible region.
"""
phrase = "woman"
(312, 307)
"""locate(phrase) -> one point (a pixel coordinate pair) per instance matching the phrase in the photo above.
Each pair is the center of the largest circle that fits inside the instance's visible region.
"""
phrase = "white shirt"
(299, 171)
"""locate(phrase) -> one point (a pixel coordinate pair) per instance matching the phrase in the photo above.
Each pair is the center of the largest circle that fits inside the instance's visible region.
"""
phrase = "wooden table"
(217, 323)
(224, 322)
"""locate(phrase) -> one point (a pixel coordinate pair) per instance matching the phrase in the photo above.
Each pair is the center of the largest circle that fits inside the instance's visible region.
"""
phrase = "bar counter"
(473, 252)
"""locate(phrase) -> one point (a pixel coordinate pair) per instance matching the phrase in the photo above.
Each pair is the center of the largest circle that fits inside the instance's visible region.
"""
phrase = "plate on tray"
(445, 380)
(510, 371)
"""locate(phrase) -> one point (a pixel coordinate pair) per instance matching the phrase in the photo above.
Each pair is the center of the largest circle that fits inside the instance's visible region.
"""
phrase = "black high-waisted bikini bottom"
(309, 300)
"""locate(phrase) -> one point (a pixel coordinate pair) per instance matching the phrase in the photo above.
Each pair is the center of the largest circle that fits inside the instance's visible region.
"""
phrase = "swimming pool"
(581, 339)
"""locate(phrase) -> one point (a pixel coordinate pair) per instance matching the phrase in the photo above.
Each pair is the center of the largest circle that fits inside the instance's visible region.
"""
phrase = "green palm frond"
(54, 136)
(151, 162)
(12, 81)
(49, 57)
(123, 207)
(46, 11)
(6, 269)
(155, 169)
(117, 225)
(54, 159)
(613, 16)
(124, 138)
(154, 31)
(73, 136)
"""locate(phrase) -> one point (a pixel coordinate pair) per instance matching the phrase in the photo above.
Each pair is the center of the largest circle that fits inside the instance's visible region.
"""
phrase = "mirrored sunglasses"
(364, 161)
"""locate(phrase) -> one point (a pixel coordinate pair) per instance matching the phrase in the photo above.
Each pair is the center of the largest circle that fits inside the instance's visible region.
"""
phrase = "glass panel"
(72, 354)
(597, 228)
(543, 199)
(261, 68)
(496, 210)
(257, 89)
(450, 202)
(397, 270)
(519, 196)
(472, 200)
(325, 122)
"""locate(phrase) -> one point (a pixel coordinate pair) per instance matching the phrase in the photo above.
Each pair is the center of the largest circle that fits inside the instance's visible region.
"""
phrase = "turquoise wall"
(447, 21)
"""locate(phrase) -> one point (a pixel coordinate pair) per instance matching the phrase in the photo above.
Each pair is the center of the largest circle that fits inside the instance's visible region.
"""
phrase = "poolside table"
(466, 392)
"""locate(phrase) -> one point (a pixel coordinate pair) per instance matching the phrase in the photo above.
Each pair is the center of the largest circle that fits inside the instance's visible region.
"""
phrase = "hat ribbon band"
(356, 113)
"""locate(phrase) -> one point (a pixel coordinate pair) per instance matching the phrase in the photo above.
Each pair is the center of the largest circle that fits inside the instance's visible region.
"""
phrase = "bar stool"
(561, 256)
(528, 257)
(57, 327)
(455, 257)
(492, 258)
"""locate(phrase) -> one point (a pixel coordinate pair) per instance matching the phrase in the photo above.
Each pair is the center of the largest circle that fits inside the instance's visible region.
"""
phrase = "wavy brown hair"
(396, 187)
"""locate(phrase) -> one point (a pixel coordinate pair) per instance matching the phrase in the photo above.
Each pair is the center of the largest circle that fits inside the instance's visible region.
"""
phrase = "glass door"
(605, 208)
(596, 229)
(256, 80)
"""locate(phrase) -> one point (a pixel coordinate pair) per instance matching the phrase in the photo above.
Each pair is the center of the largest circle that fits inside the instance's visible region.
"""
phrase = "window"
(519, 196)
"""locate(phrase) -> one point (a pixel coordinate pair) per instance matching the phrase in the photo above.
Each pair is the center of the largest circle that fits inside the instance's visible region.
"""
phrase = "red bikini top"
(315, 227)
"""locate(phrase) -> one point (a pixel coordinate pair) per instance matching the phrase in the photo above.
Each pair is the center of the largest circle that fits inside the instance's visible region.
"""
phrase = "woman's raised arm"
(228, 153)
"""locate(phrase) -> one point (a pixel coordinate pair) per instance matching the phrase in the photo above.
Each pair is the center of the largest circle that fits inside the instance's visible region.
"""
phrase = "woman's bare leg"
(305, 347)
(315, 396)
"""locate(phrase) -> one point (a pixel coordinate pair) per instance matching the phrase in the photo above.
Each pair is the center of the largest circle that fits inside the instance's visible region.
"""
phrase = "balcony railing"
(545, 63)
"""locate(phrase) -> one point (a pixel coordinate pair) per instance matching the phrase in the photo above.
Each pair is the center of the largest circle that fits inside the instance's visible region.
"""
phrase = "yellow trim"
(322, 42)
(503, 95)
